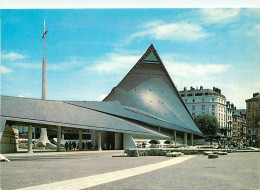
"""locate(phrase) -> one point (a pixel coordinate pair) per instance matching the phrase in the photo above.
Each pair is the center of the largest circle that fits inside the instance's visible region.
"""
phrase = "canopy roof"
(59, 113)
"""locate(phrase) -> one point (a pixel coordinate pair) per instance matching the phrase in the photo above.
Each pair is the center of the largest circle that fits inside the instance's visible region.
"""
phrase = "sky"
(89, 51)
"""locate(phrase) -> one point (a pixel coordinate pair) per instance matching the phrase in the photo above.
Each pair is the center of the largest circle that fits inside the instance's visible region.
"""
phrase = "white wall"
(128, 141)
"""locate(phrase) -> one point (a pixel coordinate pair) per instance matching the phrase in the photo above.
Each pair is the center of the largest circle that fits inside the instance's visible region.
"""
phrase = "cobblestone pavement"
(234, 171)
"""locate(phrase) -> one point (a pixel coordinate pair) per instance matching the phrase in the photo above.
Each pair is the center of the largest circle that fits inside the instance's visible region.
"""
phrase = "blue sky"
(89, 51)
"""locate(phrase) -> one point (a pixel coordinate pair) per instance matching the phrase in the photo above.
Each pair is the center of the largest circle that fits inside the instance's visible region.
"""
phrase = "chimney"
(201, 87)
(255, 94)
(185, 88)
(191, 88)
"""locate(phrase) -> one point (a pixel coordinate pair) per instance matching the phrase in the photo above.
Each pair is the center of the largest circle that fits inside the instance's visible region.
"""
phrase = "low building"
(253, 119)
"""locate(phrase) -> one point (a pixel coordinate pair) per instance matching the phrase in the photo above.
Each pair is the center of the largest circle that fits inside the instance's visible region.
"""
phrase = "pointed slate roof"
(149, 87)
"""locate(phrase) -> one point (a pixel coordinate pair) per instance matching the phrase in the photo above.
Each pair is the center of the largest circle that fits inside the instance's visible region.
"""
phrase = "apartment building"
(253, 119)
(206, 101)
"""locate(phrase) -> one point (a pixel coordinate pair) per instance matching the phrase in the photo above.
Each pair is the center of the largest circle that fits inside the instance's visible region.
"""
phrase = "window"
(185, 100)
(193, 107)
(193, 114)
(202, 99)
(193, 100)
(213, 113)
(203, 113)
(213, 107)
(213, 100)
(203, 107)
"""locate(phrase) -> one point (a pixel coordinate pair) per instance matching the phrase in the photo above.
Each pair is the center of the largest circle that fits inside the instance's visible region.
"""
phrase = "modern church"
(144, 106)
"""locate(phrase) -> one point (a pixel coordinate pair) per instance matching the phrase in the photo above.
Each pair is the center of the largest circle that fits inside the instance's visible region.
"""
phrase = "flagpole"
(43, 141)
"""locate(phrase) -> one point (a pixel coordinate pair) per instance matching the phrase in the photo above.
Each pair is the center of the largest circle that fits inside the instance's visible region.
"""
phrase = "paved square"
(234, 171)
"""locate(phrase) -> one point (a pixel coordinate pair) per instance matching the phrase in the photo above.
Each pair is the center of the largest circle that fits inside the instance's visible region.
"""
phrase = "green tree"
(207, 124)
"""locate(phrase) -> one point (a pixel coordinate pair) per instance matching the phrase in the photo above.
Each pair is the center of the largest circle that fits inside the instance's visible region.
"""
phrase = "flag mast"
(43, 141)
(44, 66)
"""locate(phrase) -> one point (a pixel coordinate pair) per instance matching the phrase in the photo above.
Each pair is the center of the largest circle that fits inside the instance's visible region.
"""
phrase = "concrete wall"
(128, 141)
(93, 138)
(180, 138)
(9, 140)
(104, 140)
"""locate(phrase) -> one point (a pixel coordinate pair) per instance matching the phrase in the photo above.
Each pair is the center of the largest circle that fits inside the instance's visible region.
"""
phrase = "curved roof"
(148, 87)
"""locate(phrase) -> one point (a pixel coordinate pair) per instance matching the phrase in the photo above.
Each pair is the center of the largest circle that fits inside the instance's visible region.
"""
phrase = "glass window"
(193, 114)
(193, 100)
(203, 107)
(193, 107)
(202, 99)
(213, 106)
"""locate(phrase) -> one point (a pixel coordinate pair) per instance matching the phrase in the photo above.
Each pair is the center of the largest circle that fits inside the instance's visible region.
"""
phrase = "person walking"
(83, 145)
(66, 145)
(70, 146)
(74, 145)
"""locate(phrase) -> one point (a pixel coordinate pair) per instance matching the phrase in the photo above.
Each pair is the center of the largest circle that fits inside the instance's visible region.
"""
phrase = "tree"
(207, 124)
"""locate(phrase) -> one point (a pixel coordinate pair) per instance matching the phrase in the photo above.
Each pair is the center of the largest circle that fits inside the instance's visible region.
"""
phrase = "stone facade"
(9, 140)
(206, 101)
(253, 119)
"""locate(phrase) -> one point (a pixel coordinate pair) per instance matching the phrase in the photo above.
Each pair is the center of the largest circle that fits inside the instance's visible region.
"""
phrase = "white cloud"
(255, 32)
(179, 31)
(114, 63)
(192, 70)
(71, 62)
(36, 65)
(5, 70)
(12, 56)
(218, 15)
(101, 97)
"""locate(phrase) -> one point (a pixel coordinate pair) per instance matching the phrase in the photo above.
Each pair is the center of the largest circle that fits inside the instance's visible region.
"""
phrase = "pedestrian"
(83, 145)
(66, 145)
(74, 145)
(70, 145)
